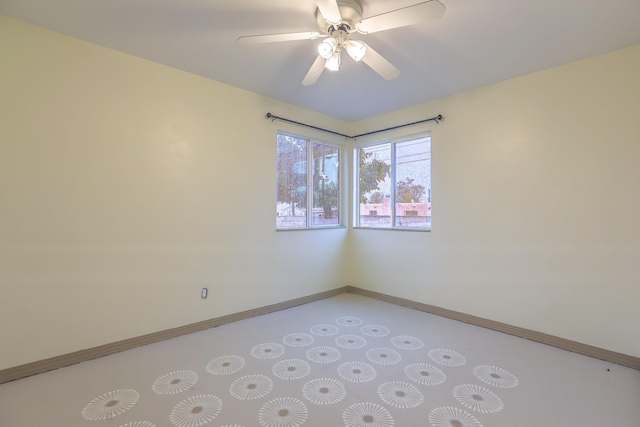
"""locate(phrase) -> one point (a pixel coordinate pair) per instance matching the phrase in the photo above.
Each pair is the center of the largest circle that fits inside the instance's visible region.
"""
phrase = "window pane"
(375, 186)
(291, 207)
(413, 184)
(326, 185)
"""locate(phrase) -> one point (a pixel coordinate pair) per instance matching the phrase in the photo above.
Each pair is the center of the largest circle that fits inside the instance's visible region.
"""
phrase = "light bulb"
(333, 62)
(356, 49)
(327, 47)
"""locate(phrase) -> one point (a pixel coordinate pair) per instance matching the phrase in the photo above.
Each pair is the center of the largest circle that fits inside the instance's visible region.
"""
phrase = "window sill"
(422, 230)
(328, 227)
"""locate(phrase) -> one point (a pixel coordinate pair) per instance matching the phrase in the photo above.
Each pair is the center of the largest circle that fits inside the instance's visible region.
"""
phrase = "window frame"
(309, 225)
(392, 178)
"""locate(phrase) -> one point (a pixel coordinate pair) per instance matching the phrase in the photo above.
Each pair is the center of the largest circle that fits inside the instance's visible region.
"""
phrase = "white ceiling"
(477, 42)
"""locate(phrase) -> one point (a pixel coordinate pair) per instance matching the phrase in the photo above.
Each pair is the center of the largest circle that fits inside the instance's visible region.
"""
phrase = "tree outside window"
(394, 185)
(299, 159)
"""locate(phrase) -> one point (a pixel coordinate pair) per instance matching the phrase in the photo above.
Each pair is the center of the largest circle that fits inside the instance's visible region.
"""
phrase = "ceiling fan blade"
(410, 15)
(274, 38)
(314, 72)
(380, 65)
(329, 10)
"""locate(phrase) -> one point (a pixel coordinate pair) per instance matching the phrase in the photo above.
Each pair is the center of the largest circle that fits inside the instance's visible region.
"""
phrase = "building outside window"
(308, 183)
(393, 185)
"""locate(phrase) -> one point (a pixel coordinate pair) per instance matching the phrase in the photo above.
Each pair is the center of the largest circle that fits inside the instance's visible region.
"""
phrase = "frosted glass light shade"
(356, 49)
(327, 47)
(333, 63)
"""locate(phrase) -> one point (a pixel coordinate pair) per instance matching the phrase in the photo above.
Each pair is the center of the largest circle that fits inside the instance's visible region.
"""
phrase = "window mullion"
(310, 170)
(356, 187)
(392, 173)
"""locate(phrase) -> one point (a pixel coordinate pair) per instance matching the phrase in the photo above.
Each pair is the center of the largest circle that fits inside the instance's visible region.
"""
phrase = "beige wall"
(126, 187)
(535, 206)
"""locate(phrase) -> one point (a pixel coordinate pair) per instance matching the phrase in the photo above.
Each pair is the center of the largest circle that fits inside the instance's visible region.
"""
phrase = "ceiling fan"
(338, 20)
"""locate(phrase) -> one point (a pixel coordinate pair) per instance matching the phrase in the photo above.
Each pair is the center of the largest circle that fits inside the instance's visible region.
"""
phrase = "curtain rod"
(272, 117)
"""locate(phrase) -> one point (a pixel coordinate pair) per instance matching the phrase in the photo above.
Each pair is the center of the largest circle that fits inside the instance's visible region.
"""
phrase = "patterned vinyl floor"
(345, 361)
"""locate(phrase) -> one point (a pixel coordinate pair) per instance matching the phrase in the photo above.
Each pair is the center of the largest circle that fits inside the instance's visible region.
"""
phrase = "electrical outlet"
(204, 293)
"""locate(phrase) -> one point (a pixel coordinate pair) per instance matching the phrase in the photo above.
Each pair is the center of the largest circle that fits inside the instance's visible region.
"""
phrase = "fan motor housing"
(350, 12)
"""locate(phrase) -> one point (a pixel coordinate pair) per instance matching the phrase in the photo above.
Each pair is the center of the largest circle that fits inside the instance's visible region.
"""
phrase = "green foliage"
(291, 172)
(328, 195)
(376, 197)
(372, 172)
(328, 198)
(408, 192)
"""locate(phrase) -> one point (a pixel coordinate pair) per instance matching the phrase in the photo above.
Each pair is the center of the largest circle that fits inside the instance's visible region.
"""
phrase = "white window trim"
(309, 160)
(392, 176)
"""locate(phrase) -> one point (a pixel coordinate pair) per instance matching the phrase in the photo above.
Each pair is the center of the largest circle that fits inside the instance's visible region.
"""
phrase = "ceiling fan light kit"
(356, 49)
(327, 47)
(331, 47)
(334, 62)
(338, 19)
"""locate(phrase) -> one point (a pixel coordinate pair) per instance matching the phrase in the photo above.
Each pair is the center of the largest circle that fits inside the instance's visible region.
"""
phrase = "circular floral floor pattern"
(400, 394)
(367, 415)
(225, 365)
(349, 321)
(383, 356)
(447, 416)
(324, 391)
(251, 387)
(447, 357)
(423, 373)
(268, 350)
(351, 342)
(406, 342)
(110, 405)
(375, 331)
(298, 340)
(196, 411)
(357, 372)
(283, 412)
(324, 329)
(291, 369)
(478, 398)
(495, 376)
(175, 382)
(323, 354)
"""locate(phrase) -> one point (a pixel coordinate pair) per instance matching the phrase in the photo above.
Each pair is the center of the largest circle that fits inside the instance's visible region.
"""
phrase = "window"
(393, 182)
(308, 174)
